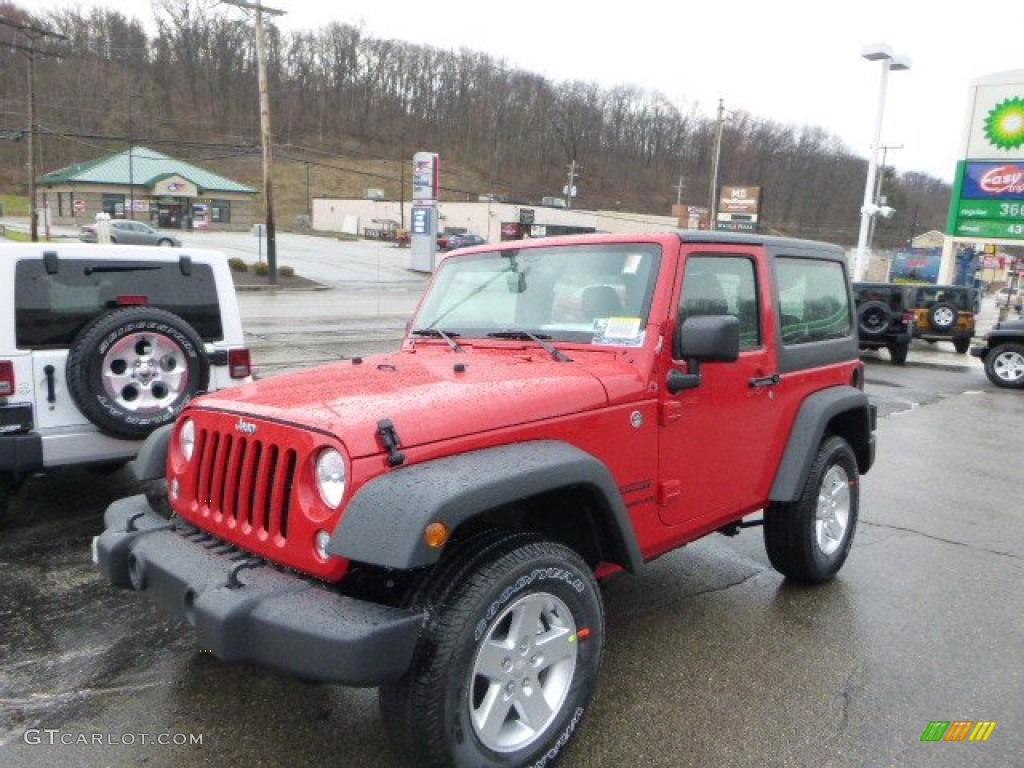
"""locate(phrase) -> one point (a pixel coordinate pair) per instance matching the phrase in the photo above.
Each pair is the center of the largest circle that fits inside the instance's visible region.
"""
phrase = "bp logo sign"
(1004, 125)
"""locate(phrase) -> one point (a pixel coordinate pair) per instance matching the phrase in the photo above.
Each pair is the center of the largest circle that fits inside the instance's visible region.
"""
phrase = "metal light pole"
(883, 53)
(877, 199)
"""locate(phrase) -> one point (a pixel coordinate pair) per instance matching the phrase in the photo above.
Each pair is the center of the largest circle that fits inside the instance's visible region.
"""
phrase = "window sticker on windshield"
(632, 263)
(622, 331)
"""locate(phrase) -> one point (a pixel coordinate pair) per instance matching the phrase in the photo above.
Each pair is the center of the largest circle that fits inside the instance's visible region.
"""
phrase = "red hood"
(426, 398)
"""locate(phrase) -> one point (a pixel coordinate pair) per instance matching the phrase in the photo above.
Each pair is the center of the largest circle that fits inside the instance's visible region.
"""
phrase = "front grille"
(245, 483)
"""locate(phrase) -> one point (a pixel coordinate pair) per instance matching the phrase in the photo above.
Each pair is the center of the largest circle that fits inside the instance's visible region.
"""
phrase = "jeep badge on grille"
(245, 427)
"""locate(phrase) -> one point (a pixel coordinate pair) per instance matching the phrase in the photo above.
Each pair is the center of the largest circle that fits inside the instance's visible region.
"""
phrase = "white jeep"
(102, 344)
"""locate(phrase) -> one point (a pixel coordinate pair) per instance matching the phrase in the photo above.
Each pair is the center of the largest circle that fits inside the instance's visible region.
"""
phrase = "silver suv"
(102, 344)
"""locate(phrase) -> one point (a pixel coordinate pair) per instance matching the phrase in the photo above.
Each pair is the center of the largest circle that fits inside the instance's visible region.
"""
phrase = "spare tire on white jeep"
(132, 370)
(101, 344)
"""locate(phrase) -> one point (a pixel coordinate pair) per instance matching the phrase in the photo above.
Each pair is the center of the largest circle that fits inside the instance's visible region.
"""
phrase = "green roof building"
(147, 185)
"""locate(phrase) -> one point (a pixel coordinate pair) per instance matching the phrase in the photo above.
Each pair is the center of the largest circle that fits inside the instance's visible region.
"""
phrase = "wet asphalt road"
(712, 659)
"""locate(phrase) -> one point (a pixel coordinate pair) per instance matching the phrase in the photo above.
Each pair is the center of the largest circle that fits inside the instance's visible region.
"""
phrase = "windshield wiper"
(437, 333)
(539, 338)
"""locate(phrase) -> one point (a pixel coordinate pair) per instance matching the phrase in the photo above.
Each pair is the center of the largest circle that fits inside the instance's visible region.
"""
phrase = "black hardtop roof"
(791, 244)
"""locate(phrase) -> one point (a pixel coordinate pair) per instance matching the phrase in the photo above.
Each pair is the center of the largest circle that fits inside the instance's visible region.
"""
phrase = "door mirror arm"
(677, 381)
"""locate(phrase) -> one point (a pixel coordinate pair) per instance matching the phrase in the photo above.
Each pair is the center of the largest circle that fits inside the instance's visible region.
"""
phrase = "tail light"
(239, 364)
(132, 300)
(6, 378)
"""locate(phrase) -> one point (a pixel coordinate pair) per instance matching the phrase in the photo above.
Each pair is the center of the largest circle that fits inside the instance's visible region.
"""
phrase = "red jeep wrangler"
(435, 521)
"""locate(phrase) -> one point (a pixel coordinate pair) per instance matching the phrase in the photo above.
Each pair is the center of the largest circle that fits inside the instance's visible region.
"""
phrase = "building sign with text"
(739, 209)
(988, 194)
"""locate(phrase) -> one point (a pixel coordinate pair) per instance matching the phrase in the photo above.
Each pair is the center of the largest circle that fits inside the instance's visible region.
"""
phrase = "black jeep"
(1003, 354)
(884, 318)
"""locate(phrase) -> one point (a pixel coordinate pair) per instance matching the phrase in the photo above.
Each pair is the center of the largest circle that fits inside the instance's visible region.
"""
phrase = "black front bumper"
(245, 610)
(979, 351)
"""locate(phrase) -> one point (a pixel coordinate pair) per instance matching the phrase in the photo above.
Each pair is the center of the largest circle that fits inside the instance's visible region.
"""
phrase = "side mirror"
(703, 339)
(709, 339)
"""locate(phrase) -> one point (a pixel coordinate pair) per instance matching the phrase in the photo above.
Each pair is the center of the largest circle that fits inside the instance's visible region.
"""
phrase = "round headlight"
(330, 477)
(187, 439)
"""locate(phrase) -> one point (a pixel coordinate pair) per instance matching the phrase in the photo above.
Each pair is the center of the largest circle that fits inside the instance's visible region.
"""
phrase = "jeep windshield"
(592, 294)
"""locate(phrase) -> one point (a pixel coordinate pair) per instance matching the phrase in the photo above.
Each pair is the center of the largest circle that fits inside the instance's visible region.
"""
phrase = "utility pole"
(678, 187)
(33, 33)
(570, 189)
(713, 194)
(268, 188)
(131, 159)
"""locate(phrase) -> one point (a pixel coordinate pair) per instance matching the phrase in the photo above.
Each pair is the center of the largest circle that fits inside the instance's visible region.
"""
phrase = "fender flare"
(383, 523)
(151, 461)
(812, 420)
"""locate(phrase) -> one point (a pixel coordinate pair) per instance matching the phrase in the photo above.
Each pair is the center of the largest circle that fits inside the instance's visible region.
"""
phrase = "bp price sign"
(988, 196)
(990, 203)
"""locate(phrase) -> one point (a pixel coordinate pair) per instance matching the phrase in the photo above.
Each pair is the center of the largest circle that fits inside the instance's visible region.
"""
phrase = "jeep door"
(715, 455)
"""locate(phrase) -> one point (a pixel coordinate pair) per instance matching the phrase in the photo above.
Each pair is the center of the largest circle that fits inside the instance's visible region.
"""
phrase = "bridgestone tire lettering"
(134, 369)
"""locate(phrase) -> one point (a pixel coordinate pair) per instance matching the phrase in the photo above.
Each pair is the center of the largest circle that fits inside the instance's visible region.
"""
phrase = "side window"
(813, 304)
(723, 285)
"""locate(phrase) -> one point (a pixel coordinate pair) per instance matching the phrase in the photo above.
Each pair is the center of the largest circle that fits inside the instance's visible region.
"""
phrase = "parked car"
(465, 240)
(435, 520)
(1007, 295)
(102, 344)
(884, 318)
(944, 313)
(1003, 354)
(127, 232)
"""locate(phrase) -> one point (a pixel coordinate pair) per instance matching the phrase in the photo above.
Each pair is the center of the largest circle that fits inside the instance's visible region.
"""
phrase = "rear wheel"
(507, 664)
(7, 489)
(808, 539)
(898, 352)
(1004, 366)
(961, 345)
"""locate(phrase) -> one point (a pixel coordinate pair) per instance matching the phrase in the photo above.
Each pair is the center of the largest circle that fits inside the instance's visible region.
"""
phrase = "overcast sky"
(797, 62)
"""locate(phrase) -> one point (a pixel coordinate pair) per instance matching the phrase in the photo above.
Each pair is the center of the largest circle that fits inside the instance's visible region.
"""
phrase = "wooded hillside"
(349, 110)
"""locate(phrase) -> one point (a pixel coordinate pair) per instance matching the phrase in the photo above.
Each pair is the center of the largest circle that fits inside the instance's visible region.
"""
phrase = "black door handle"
(765, 381)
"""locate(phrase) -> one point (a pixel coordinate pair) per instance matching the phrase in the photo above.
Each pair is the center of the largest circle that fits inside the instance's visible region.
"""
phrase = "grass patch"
(14, 205)
(15, 235)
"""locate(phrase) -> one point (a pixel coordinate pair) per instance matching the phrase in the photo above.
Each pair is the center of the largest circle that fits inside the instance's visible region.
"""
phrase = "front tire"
(1004, 366)
(809, 539)
(507, 664)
